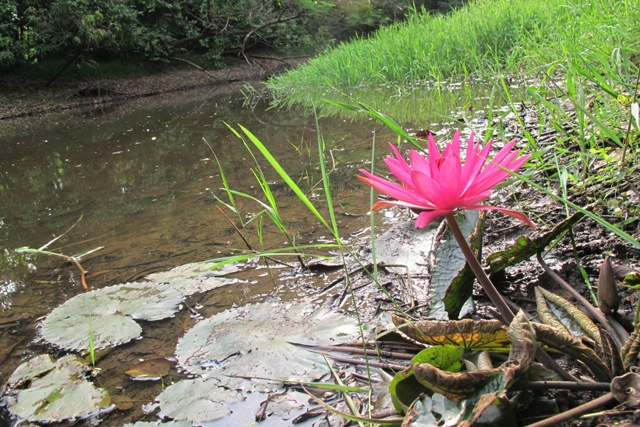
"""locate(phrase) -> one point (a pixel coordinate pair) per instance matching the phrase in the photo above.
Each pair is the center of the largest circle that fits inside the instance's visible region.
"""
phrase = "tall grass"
(483, 38)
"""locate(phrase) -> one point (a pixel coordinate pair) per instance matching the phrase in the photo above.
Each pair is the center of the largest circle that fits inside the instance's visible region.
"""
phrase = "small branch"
(563, 385)
(586, 408)
(193, 65)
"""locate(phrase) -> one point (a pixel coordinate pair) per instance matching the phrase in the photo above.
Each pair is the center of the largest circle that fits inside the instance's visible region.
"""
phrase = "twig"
(563, 385)
(175, 58)
(595, 404)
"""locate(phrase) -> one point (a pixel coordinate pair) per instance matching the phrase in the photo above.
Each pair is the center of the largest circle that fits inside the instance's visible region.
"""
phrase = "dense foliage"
(35, 30)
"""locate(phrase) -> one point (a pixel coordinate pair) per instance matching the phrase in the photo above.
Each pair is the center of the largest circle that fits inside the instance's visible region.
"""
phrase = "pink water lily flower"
(437, 185)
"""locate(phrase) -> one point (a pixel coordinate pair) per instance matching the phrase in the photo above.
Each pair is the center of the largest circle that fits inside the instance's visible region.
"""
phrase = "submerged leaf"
(47, 391)
(150, 369)
(436, 410)
(255, 342)
(105, 316)
(565, 316)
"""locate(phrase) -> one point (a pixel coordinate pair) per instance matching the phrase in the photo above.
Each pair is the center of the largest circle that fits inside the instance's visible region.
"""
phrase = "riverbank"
(22, 98)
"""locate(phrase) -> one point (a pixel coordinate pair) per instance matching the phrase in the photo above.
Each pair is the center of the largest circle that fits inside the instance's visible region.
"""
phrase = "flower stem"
(488, 287)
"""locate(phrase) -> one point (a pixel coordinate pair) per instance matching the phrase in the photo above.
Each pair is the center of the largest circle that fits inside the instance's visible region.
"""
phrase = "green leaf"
(404, 389)
(445, 357)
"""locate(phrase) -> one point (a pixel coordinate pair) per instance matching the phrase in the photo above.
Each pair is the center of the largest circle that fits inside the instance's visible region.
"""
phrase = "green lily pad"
(255, 342)
(107, 315)
(45, 391)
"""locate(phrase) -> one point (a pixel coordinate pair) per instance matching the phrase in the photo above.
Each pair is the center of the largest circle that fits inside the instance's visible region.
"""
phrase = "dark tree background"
(32, 31)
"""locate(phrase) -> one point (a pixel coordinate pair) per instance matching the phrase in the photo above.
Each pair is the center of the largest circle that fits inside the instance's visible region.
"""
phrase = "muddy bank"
(22, 98)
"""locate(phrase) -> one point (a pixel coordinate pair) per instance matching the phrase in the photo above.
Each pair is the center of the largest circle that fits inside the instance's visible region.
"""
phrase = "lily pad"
(255, 342)
(106, 315)
(194, 278)
(196, 400)
(44, 391)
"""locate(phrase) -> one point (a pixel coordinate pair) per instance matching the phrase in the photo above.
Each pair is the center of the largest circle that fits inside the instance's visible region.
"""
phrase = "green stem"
(488, 287)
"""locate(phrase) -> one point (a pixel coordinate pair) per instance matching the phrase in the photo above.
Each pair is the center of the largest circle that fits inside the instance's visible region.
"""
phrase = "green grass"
(486, 37)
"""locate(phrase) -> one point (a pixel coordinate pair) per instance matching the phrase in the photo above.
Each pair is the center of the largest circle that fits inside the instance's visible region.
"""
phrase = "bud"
(608, 298)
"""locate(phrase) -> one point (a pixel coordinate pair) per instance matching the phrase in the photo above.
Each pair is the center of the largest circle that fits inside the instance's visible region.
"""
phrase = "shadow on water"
(143, 182)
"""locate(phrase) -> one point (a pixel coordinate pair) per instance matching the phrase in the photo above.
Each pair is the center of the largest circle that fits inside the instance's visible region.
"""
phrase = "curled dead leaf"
(470, 334)
(626, 390)
(458, 385)
(567, 317)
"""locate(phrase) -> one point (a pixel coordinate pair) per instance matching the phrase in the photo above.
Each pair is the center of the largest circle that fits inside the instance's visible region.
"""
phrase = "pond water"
(140, 183)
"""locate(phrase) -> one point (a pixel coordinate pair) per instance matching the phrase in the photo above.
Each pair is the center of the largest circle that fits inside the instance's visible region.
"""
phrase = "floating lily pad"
(44, 390)
(196, 400)
(194, 278)
(106, 315)
(255, 342)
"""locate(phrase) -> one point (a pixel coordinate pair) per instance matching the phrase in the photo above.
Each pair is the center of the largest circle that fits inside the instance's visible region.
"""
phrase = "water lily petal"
(391, 188)
(427, 217)
(398, 165)
(510, 212)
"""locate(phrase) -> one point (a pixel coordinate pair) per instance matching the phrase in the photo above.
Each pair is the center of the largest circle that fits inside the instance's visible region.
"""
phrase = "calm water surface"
(142, 179)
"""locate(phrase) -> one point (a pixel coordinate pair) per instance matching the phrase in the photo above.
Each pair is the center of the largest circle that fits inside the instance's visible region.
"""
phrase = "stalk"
(488, 287)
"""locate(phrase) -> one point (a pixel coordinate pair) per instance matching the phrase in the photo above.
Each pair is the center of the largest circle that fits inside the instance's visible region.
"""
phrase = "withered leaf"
(626, 390)
(150, 369)
(469, 334)
(630, 350)
(567, 317)
(458, 385)
(454, 385)
(574, 347)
